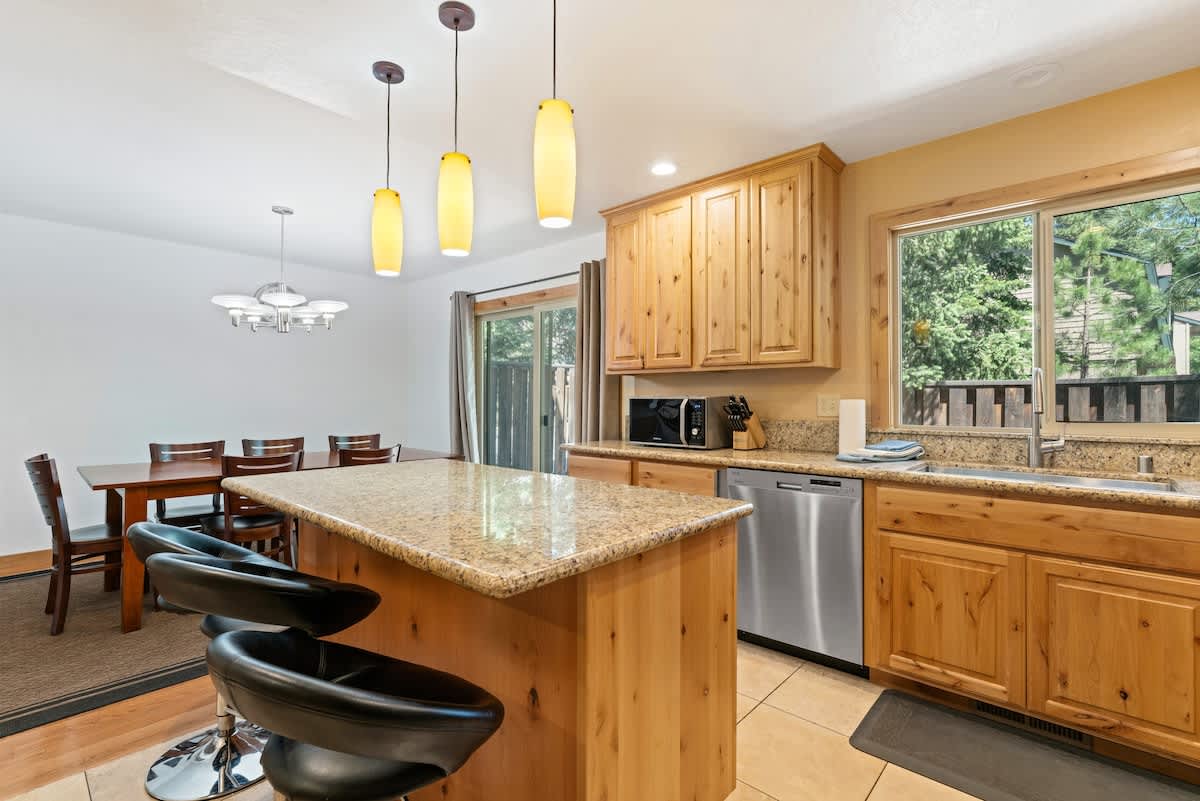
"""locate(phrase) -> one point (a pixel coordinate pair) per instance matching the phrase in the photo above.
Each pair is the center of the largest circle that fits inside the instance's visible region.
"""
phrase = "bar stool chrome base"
(209, 765)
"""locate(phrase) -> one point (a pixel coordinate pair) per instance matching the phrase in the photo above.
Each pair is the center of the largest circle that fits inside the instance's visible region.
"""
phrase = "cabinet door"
(1115, 651)
(677, 477)
(624, 283)
(951, 614)
(781, 275)
(721, 275)
(668, 268)
(618, 471)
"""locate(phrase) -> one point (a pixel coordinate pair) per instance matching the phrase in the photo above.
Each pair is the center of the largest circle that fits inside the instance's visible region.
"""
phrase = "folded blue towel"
(893, 445)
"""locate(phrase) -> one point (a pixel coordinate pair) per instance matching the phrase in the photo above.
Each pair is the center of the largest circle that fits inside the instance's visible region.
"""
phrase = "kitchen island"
(602, 616)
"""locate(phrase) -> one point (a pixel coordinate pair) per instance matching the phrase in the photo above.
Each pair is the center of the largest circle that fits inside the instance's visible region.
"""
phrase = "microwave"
(680, 422)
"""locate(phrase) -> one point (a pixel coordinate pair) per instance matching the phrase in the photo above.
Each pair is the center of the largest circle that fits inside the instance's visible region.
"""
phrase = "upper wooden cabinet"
(733, 271)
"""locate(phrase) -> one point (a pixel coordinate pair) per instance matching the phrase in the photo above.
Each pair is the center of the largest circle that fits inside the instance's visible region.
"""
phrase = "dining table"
(130, 487)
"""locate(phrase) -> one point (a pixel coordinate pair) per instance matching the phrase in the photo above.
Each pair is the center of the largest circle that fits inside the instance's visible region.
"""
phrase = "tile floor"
(794, 723)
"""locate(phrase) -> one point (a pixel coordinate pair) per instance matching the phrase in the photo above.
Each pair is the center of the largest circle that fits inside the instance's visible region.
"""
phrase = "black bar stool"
(347, 724)
(225, 758)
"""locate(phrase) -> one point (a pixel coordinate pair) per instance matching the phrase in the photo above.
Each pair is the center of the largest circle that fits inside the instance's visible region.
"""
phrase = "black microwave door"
(655, 420)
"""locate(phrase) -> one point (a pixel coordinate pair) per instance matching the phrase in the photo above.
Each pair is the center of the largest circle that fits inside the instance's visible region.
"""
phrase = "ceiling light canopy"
(663, 168)
(277, 305)
(554, 151)
(456, 189)
(387, 217)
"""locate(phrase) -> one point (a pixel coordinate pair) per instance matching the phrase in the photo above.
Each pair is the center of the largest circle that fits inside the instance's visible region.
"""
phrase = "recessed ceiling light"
(1035, 75)
(663, 168)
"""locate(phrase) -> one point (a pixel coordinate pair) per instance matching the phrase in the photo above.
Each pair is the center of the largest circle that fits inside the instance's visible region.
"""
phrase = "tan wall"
(1140, 120)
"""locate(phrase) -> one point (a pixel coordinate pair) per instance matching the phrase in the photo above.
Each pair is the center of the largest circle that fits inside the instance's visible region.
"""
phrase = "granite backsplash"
(1108, 454)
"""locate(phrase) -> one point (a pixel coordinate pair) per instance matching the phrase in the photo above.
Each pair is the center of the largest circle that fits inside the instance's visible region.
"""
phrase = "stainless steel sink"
(1133, 485)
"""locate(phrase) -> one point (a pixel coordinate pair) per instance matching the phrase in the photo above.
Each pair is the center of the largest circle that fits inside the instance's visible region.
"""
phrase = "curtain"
(597, 395)
(464, 422)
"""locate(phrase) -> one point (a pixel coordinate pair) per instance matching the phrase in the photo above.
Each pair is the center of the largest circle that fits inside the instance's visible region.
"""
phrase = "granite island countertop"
(1184, 498)
(494, 530)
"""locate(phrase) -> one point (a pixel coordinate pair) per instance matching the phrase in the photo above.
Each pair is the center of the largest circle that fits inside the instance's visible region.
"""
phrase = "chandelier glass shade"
(554, 163)
(277, 305)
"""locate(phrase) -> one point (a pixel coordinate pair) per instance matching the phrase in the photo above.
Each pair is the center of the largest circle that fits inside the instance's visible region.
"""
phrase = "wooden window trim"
(1027, 197)
(526, 299)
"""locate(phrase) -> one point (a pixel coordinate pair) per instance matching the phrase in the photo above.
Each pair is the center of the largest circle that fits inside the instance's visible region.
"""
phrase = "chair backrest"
(43, 473)
(342, 442)
(183, 452)
(236, 504)
(272, 447)
(346, 458)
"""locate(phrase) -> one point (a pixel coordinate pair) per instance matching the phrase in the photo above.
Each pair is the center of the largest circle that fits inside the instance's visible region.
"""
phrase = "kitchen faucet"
(1038, 448)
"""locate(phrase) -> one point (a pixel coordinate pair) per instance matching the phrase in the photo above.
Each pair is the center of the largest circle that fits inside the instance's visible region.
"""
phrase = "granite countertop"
(494, 530)
(1186, 496)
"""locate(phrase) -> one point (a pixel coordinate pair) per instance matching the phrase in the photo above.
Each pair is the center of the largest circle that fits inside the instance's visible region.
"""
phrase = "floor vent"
(1053, 730)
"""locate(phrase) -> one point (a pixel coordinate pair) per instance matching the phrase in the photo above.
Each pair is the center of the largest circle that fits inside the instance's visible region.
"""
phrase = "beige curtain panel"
(464, 422)
(598, 395)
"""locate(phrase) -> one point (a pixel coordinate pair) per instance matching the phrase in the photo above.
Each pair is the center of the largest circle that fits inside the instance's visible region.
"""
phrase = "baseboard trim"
(14, 564)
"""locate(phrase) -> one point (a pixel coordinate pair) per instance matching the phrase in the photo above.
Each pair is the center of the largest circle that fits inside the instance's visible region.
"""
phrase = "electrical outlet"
(827, 405)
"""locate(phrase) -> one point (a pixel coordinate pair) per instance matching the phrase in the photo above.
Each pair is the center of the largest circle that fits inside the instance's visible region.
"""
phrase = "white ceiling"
(186, 119)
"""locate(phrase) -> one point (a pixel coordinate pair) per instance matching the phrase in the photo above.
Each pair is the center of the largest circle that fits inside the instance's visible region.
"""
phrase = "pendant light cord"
(281, 283)
(554, 50)
(387, 179)
(455, 85)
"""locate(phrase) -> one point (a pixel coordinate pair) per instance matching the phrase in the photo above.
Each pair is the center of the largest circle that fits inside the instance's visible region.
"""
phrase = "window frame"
(535, 309)
(1177, 172)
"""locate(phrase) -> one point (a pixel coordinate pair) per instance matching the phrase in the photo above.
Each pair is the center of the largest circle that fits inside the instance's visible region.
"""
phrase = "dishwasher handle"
(784, 485)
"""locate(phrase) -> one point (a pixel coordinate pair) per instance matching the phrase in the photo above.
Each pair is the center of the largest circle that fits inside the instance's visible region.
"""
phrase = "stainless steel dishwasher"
(800, 562)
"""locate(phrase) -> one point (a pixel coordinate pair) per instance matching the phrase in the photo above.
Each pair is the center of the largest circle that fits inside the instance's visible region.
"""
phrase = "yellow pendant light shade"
(387, 233)
(554, 163)
(456, 204)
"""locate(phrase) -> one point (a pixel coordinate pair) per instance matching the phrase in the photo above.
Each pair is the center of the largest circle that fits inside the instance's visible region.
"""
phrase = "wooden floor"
(39, 756)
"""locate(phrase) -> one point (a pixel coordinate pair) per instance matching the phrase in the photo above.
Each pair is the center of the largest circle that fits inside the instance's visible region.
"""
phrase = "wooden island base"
(618, 683)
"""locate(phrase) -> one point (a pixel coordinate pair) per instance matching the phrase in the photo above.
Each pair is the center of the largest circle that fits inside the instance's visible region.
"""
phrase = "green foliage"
(963, 316)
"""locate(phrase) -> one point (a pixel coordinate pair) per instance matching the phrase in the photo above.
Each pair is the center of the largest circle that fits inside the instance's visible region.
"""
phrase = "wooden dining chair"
(342, 442)
(85, 550)
(246, 521)
(273, 447)
(186, 516)
(354, 456)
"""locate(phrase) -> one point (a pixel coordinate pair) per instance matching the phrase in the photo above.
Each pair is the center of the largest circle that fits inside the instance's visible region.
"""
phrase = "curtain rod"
(523, 283)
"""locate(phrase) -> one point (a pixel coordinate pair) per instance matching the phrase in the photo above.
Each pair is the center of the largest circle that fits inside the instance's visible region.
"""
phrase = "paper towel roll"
(852, 425)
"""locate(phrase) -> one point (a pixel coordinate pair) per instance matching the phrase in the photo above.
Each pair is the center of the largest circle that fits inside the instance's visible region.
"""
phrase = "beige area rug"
(91, 663)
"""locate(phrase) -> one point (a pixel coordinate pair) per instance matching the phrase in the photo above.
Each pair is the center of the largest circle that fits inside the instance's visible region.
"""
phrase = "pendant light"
(387, 219)
(554, 151)
(456, 192)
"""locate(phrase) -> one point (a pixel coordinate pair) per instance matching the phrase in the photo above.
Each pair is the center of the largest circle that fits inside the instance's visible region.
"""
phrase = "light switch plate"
(827, 405)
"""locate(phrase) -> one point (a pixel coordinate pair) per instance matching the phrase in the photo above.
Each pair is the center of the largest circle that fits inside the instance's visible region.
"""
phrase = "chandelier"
(277, 305)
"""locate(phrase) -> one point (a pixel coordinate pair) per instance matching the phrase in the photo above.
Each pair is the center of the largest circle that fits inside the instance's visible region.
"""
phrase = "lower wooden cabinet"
(678, 477)
(1116, 652)
(601, 468)
(952, 615)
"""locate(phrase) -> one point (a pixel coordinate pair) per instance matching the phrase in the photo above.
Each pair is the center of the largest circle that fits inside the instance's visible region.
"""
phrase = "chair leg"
(112, 578)
(52, 590)
(62, 597)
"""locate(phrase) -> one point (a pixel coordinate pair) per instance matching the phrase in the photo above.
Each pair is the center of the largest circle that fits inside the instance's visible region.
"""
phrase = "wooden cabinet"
(951, 615)
(668, 277)
(626, 315)
(734, 271)
(721, 275)
(1117, 652)
(600, 468)
(677, 477)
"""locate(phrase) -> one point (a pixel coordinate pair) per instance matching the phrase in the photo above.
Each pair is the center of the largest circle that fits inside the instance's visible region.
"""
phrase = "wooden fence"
(1006, 404)
(507, 415)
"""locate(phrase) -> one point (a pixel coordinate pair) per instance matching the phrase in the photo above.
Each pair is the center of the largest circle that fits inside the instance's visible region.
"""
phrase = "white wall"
(110, 342)
(426, 317)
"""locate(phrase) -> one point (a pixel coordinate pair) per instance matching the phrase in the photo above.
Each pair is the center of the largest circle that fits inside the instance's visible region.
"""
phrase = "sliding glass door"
(526, 385)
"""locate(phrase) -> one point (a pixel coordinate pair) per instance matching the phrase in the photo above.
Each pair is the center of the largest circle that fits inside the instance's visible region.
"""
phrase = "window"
(1106, 292)
(526, 381)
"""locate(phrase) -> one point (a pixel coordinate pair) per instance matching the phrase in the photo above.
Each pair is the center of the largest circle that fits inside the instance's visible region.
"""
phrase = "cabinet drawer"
(1168, 542)
(1115, 651)
(951, 615)
(678, 477)
(601, 468)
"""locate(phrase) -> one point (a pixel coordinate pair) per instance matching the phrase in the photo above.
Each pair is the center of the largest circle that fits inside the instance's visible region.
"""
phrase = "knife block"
(750, 439)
